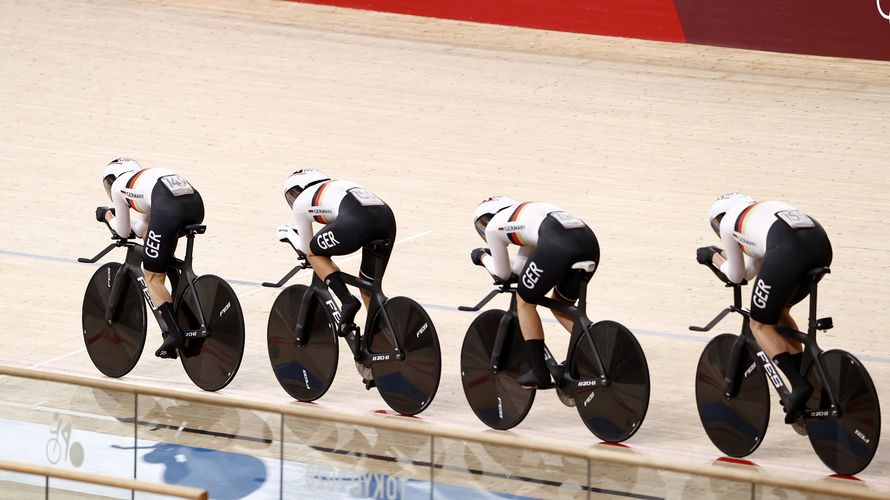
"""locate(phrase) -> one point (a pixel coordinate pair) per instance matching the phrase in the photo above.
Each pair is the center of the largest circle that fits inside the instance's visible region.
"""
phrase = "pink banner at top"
(846, 28)
(647, 19)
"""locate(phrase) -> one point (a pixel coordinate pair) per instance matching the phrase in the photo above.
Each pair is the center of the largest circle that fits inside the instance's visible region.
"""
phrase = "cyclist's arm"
(303, 225)
(120, 223)
(139, 223)
(734, 267)
(521, 258)
(498, 263)
(752, 267)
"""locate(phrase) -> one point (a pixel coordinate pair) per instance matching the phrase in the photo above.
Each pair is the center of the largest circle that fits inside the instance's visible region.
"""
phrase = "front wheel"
(116, 347)
(614, 412)
(846, 444)
(304, 371)
(492, 392)
(213, 361)
(407, 385)
(735, 425)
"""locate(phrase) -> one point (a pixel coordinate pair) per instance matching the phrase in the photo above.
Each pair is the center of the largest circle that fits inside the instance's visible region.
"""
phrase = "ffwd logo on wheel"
(881, 11)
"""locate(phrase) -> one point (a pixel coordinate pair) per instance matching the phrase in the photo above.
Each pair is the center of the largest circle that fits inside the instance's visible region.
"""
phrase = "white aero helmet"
(486, 210)
(117, 168)
(300, 180)
(722, 205)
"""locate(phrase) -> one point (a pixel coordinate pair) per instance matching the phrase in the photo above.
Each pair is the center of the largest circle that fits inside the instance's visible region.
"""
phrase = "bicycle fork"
(503, 328)
(300, 332)
(117, 289)
(732, 383)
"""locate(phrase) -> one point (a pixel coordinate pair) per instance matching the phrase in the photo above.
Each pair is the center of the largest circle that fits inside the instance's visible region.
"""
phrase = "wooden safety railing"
(837, 488)
(100, 480)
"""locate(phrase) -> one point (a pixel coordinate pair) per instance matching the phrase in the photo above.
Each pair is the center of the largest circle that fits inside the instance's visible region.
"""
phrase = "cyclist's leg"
(527, 298)
(779, 285)
(777, 281)
(565, 320)
(168, 215)
(791, 254)
(341, 237)
(569, 287)
(820, 254)
(784, 352)
(786, 320)
(529, 320)
(157, 288)
(546, 266)
(533, 334)
(374, 263)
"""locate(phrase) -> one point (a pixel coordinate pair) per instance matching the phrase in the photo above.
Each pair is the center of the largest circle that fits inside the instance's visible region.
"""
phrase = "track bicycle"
(605, 375)
(398, 352)
(206, 308)
(842, 418)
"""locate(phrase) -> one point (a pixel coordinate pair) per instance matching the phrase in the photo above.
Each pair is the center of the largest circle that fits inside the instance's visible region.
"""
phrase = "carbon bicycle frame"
(564, 380)
(132, 266)
(359, 344)
(812, 352)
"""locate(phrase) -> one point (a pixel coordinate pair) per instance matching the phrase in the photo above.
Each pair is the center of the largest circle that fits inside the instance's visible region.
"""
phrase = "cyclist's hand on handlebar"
(101, 211)
(500, 281)
(705, 255)
(477, 253)
(286, 232)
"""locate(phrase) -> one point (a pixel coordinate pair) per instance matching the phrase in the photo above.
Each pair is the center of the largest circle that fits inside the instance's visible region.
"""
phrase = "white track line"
(57, 358)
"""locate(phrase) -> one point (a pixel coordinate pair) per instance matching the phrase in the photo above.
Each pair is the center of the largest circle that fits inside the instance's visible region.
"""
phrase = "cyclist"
(162, 203)
(777, 244)
(550, 240)
(352, 218)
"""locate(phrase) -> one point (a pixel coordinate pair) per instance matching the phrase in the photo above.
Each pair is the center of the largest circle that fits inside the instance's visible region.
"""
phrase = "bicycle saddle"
(378, 245)
(585, 265)
(818, 273)
(194, 229)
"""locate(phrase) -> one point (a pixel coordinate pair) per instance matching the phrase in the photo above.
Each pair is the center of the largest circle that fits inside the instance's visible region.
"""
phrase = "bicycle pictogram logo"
(58, 449)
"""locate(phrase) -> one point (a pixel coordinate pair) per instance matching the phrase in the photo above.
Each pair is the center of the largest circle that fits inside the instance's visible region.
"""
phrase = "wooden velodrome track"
(635, 137)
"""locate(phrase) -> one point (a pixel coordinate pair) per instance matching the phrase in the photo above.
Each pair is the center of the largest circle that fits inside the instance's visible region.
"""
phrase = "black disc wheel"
(493, 393)
(407, 385)
(305, 371)
(735, 425)
(211, 362)
(846, 444)
(114, 347)
(614, 412)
